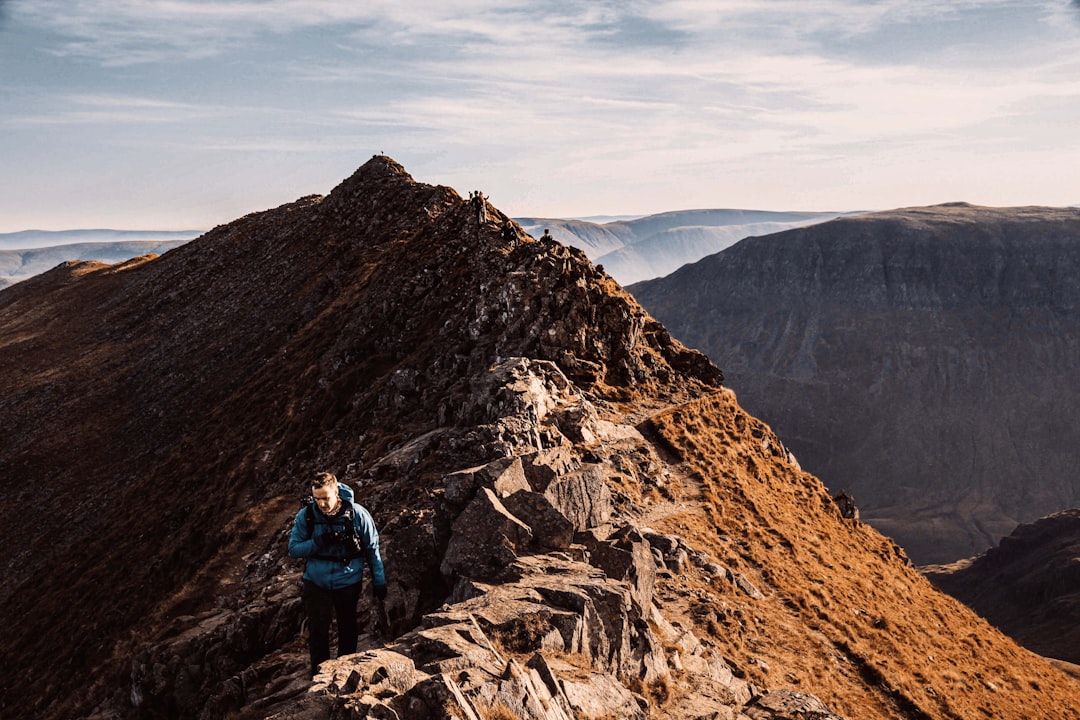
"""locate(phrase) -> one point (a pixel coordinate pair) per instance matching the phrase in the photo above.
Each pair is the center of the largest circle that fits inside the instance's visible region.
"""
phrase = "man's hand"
(382, 620)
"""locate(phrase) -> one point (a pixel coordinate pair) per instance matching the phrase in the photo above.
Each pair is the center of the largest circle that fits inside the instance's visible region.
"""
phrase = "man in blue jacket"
(335, 535)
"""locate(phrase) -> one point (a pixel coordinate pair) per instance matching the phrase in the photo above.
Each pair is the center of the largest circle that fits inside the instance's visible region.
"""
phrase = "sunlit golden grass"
(845, 615)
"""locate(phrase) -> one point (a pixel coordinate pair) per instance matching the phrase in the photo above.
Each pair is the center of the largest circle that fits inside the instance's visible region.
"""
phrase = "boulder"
(625, 555)
(505, 476)
(454, 648)
(846, 505)
(550, 527)
(582, 496)
(595, 694)
(543, 466)
(578, 422)
(613, 634)
(485, 538)
(523, 694)
(376, 671)
(743, 583)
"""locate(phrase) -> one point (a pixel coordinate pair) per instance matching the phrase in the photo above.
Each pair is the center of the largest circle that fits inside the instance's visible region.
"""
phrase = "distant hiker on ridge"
(547, 234)
(477, 199)
(334, 535)
(509, 233)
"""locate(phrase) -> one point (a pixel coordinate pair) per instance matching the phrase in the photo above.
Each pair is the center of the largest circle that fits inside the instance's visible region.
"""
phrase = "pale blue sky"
(163, 114)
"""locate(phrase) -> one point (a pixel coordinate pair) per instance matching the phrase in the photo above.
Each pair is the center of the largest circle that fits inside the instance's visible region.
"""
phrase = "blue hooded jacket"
(336, 564)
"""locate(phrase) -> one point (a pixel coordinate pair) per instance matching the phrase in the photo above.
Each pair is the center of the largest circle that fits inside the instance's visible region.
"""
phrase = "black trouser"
(320, 604)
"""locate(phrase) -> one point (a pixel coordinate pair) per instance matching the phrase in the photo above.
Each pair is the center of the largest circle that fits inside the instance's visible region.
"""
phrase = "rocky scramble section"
(553, 612)
(577, 519)
(553, 608)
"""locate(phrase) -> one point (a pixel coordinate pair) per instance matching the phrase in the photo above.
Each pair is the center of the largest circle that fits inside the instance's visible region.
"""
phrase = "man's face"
(326, 497)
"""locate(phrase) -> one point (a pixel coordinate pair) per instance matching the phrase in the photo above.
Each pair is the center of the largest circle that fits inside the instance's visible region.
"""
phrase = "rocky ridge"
(577, 519)
(916, 358)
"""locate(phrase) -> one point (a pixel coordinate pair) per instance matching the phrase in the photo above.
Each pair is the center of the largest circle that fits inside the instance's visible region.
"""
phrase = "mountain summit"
(577, 518)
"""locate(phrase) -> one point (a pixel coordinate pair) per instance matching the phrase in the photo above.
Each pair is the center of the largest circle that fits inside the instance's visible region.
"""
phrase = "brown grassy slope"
(844, 616)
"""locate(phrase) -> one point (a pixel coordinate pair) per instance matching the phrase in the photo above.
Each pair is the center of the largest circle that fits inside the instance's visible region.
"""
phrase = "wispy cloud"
(118, 32)
(129, 32)
(83, 109)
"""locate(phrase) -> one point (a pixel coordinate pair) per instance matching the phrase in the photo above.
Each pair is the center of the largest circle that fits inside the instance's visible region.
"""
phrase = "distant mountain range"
(924, 360)
(655, 245)
(17, 265)
(30, 239)
(630, 248)
(27, 253)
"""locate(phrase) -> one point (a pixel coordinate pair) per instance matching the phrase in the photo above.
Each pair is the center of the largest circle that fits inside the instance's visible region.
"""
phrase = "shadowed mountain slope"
(1028, 585)
(919, 359)
(577, 520)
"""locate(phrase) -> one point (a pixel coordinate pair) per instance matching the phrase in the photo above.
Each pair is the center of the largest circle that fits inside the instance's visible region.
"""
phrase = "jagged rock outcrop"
(576, 517)
(562, 641)
(1028, 585)
(534, 626)
(918, 359)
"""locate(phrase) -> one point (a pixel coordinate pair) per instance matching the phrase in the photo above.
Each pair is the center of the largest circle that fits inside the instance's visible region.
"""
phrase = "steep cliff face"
(1028, 585)
(918, 359)
(577, 519)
